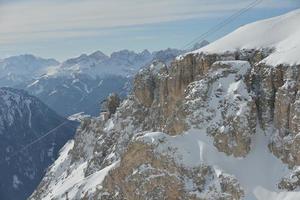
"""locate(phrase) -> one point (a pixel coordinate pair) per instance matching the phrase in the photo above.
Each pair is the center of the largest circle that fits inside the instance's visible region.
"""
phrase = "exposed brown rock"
(285, 141)
(113, 102)
(142, 173)
(294, 118)
(291, 182)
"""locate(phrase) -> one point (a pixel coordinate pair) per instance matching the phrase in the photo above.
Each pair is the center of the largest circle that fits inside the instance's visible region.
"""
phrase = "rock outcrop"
(226, 106)
(285, 140)
(290, 182)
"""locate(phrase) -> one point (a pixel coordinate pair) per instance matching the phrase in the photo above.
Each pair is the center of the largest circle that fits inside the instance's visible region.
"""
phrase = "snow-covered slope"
(23, 118)
(257, 173)
(279, 33)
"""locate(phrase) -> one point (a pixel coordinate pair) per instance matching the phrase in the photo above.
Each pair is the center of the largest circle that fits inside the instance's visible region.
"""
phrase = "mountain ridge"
(17, 69)
(284, 41)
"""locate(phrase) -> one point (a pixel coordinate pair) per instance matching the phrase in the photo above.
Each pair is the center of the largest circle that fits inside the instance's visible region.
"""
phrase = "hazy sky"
(67, 28)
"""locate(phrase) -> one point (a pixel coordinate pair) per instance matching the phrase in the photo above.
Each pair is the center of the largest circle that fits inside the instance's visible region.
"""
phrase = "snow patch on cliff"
(258, 173)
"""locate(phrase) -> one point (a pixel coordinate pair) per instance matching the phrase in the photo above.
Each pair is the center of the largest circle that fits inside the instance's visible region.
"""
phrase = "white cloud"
(33, 20)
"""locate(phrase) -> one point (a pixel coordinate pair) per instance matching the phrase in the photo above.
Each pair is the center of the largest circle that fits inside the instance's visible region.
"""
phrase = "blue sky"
(67, 28)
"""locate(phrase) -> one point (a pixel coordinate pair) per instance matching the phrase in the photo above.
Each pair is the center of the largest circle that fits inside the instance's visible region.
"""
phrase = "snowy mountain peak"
(99, 55)
(280, 34)
(200, 45)
(29, 58)
(123, 54)
(145, 52)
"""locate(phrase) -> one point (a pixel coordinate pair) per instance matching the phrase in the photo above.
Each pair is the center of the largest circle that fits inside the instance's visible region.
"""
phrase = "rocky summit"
(212, 125)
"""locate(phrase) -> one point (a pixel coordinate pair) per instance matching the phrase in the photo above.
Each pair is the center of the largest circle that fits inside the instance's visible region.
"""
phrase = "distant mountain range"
(23, 119)
(79, 84)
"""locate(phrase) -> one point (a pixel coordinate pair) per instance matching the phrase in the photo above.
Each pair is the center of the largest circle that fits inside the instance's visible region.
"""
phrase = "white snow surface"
(16, 182)
(72, 182)
(78, 116)
(280, 33)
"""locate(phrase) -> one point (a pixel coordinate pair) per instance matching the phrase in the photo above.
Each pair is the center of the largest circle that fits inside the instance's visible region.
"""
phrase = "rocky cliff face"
(230, 98)
(285, 114)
